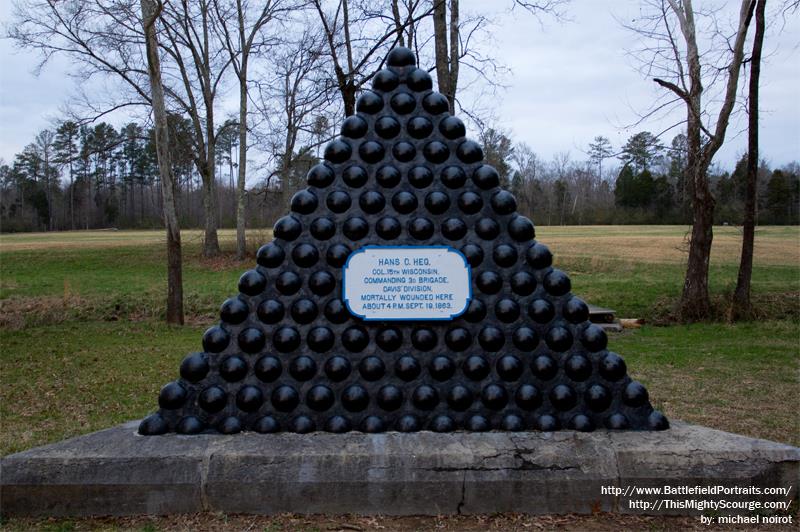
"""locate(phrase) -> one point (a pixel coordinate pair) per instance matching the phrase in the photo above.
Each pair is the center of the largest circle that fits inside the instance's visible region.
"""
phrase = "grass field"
(83, 345)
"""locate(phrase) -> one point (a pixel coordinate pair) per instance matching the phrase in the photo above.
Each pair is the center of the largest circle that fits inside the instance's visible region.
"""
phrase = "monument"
(404, 292)
(404, 346)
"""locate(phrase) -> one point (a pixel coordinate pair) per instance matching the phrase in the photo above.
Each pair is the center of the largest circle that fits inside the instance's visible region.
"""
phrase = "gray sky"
(567, 83)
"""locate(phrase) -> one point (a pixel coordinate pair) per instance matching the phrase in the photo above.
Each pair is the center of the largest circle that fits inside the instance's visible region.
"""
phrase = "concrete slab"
(118, 472)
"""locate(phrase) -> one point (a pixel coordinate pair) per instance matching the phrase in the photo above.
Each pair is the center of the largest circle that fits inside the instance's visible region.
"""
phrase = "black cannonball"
(194, 367)
(494, 396)
(521, 229)
(408, 423)
(387, 127)
(404, 202)
(388, 228)
(421, 228)
(436, 103)
(454, 229)
(337, 368)
(336, 311)
(355, 228)
(476, 311)
(453, 177)
(338, 425)
(558, 339)
(320, 398)
(443, 423)
(389, 397)
(354, 127)
(270, 255)
(525, 339)
(594, 338)
(544, 367)
(215, 339)
(404, 151)
(509, 368)
(389, 339)
(487, 229)
(233, 368)
(388, 176)
(556, 283)
(419, 80)
(266, 425)
(213, 399)
(436, 152)
(172, 396)
(230, 425)
(539, 256)
(321, 283)
(321, 175)
(469, 152)
(286, 339)
(507, 310)
(612, 367)
(657, 421)
(458, 339)
(547, 423)
(575, 310)
(513, 423)
(355, 339)
(305, 255)
(473, 253)
(634, 394)
(541, 310)
(234, 311)
(489, 282)
(400, 56)
(251, 340)
(369, 102)
(452, 128)
(437, 202)
(419, 127)
(476, 368)
(249, 398)
(320, 339)
(268, 368)
(485, 176)
(338, 201)
(617, 421)
(403, 103)
(582, 423)
(337, 255)
(190, 425)
(425, 397)
(372, 425)
(491, 338)
(528, 397)
(597, 397)
(338, 151)
(270, 311)
(503, 202)
(470, 202)
(523, 283)
(578, 368)
(285, 398)
(423, 339)
(407, 368)
(302, 425)
(355, 398)
(304, 202)
(252, 283)
(371, 151)
(385, 80)
(459, 398)
(478, 423)
(371, 368)
(288, 283)
(442, 367)
(302, 368)
(355, 176)
(505, 255)
(563, 397)
(420, 177)
(323, 228)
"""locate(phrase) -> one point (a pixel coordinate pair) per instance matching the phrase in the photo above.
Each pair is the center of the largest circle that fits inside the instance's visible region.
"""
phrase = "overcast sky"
(568, 82)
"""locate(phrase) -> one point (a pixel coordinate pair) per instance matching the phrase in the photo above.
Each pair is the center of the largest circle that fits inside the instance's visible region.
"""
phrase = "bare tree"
(680, 68)
(151, 11)
(741, 296)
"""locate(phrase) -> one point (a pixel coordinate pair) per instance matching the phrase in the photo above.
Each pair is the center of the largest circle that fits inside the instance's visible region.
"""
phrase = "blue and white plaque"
(388, 283)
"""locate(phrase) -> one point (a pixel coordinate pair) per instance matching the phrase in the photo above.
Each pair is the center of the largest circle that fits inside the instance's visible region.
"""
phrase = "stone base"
(118, 472)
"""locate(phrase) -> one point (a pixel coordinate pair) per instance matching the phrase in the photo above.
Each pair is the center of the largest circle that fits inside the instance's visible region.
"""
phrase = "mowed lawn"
(83, 345)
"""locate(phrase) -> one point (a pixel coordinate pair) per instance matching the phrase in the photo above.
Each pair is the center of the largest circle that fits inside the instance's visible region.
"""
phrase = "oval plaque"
(388, 283)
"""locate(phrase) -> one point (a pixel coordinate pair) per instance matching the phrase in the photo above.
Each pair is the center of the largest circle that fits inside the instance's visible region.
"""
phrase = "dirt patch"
(769, 306)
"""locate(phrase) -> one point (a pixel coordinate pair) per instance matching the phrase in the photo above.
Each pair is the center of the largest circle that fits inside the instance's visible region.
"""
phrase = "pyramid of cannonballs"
(289, 355)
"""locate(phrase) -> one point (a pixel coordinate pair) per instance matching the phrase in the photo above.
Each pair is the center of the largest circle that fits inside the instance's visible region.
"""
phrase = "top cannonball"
(401, 57)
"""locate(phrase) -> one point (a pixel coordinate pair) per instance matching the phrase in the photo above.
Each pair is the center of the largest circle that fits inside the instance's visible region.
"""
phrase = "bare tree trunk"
(150, 12)
(741, 296)
(241, 237)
